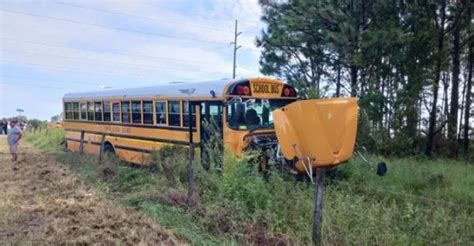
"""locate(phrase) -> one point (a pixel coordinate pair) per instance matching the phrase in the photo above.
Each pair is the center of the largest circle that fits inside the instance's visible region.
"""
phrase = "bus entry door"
(211, 130)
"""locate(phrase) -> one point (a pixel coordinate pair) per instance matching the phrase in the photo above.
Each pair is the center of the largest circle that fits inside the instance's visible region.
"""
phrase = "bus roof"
(194, 89)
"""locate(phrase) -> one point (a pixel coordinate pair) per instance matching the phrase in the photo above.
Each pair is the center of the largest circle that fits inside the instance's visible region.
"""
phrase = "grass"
(419, 202)
(48, 139)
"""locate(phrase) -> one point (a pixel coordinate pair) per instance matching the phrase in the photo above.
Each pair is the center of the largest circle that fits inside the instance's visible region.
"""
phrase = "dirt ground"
(44, 203)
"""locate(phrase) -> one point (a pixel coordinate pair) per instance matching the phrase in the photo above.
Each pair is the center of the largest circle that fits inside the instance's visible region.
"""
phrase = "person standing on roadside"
(5, 126)
(13, 139)
(2, 122)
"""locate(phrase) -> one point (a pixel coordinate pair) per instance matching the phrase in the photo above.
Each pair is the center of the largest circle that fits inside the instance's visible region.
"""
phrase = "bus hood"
(318, 132)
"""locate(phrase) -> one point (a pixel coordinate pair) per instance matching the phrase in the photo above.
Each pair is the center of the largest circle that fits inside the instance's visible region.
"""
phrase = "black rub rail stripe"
(132, 149)
(116, 146)
(185, 129)
(161, 140)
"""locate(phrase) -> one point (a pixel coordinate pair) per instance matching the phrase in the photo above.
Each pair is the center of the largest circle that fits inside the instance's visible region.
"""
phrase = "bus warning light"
(243, 90)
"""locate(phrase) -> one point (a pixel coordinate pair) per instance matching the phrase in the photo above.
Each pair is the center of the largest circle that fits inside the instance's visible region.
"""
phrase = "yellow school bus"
(134, 122)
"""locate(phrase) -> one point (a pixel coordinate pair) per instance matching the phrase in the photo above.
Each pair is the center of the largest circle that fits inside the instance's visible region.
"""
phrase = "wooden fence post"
(102, 145)
(318, 206)
(81, 145)
(191, 157)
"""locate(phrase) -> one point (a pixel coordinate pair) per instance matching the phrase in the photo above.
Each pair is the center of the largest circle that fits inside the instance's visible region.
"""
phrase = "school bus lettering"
(266, 88)
(261, 88)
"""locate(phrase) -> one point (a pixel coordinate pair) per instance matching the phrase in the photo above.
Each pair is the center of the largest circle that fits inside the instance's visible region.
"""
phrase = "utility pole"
(236, 34)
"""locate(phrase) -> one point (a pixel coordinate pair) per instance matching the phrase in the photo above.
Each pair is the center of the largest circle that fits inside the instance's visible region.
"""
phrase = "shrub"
(213, 146)
(172, 162)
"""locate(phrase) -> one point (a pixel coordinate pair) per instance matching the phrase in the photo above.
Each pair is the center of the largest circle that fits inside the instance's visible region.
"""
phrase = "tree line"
(408, 62)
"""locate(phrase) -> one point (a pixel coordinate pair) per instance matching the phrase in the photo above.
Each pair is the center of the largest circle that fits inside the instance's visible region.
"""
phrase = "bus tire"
(109, 149)
(64, 145)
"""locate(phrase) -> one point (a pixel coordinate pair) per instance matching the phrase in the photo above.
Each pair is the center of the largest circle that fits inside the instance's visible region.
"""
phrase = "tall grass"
(420, 201)
(46, 139)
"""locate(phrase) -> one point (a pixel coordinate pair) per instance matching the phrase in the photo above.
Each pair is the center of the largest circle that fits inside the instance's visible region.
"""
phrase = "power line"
(50, 81)
(142, 17)
(67, 68)
(101, 61)
(119, 28)
(39, 86)
(107, 61)
(23, 79)
(111, 27)
(56, 45)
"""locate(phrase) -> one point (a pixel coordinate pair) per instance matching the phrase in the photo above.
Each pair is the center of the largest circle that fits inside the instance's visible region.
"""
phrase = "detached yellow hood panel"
(323, 130)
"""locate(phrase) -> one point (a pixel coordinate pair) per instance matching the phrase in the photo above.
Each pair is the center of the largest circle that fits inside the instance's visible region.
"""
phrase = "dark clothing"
(3, 128)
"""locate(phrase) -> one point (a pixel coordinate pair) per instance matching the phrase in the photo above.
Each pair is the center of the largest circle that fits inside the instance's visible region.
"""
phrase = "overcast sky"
(49, 48)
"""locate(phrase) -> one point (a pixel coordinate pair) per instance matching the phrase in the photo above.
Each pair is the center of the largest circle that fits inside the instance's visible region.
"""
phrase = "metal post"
(236, 34)
(81, 145)
(318, 206)
(191, 156)
(102, 145)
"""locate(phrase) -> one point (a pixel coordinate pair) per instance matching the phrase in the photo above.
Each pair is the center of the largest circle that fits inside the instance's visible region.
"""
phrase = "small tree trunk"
(445, 80)
(354, 73)
(453, 113)
(434, 105)
(338, 82)
(467, 107)
(461, 112)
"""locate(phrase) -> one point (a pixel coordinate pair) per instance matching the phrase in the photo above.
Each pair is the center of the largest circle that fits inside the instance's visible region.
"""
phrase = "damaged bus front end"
(318, 133)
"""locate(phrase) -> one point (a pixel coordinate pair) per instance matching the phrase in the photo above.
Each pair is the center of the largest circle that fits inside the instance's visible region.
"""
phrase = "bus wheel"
(109, 149)
(64, 145)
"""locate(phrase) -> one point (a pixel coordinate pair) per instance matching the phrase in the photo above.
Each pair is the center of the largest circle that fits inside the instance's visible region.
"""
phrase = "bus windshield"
(253, 113)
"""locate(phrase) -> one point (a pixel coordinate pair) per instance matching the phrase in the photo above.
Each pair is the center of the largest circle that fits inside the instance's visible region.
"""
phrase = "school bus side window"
(98, 111)
(83, 109)
(174, 108)
(75, 108)
(186, 114)
(126, 112)
(90, 111)
(106, 111)
(147, 112)
(116, 111)
(68, 109)
(137, 112)
(160, 109)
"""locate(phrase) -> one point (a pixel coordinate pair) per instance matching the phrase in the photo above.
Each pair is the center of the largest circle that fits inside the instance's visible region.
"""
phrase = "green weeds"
(48, 139)
(418, 202)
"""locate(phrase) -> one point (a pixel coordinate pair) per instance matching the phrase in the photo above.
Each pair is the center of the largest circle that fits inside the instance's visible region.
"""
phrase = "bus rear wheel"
(109, 149)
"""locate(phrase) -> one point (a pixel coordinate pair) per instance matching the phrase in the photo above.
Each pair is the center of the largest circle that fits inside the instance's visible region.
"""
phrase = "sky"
(49, 48)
